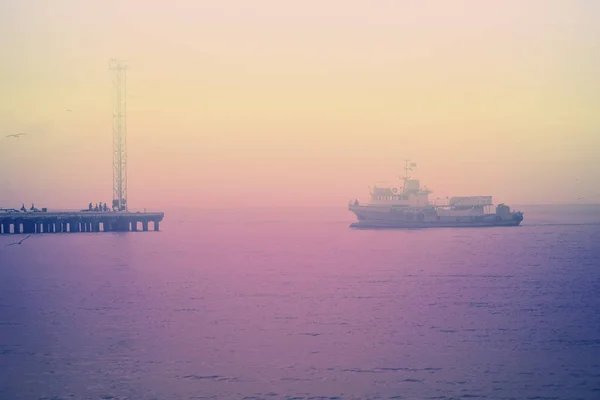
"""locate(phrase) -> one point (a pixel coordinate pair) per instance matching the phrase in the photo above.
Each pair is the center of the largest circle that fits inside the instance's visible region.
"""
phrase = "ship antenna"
(406, 177)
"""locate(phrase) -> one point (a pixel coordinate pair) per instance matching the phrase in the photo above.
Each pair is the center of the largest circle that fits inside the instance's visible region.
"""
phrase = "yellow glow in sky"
(271, 102)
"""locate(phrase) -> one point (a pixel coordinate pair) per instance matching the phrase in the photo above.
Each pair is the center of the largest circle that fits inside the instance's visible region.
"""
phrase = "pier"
(102, 218)
(78, 221)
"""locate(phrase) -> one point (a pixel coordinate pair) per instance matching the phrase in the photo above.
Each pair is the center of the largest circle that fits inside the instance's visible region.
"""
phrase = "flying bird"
(20, 241)
(16, 135)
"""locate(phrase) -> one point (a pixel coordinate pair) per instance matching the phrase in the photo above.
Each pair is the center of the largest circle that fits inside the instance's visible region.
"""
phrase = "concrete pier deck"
(77, 221)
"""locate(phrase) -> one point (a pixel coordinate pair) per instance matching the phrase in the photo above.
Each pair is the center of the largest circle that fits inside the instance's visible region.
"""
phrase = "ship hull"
(385, 218)
(374, 224)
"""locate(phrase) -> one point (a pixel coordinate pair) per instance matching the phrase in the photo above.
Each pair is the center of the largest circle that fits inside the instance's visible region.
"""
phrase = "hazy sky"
(306, 102)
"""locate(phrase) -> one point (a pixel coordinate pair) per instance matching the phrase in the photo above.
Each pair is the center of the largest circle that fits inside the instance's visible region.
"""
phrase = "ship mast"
(406, 177)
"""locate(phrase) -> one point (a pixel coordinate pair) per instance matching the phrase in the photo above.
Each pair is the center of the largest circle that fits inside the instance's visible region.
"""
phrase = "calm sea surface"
(291, 303)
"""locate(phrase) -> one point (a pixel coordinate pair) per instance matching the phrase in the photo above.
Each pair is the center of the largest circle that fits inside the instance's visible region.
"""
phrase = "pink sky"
(271, 102)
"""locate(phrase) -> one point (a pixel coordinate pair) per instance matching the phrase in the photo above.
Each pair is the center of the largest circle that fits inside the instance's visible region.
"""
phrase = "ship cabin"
(411, 195)
(464, 206)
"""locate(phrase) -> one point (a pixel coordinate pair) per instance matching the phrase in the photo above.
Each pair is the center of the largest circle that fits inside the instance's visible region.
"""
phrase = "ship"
(410, 207)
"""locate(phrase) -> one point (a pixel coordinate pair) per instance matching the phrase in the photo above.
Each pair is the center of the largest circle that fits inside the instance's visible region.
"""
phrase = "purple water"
(291, 303)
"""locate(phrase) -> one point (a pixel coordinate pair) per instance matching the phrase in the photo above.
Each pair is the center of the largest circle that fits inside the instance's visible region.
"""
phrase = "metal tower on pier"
(119, 69)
